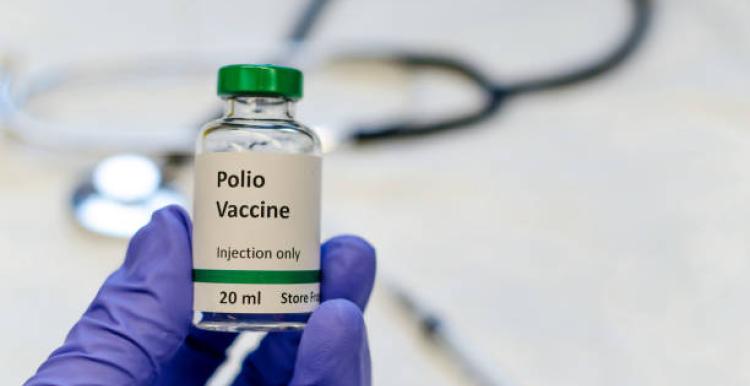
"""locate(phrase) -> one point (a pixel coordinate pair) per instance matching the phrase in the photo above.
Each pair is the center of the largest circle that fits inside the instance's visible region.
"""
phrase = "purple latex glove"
(137, 331)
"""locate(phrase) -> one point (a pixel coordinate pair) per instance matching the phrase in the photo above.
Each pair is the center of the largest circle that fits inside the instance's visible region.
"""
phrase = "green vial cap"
(260, 79)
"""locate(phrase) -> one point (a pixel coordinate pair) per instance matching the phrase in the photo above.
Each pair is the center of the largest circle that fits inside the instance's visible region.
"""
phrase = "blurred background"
(582, 235)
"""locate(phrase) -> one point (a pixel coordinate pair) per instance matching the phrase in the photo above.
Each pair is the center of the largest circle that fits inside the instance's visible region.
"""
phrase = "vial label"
(256, 233)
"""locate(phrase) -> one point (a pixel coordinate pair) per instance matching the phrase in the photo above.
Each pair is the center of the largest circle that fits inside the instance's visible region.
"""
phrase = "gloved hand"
(137, 331)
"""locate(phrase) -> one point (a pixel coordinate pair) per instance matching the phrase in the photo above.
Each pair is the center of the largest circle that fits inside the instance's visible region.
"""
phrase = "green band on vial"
(255, 277)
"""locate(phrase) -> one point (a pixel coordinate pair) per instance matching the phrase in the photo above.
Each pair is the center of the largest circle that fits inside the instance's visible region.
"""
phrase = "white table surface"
(593, 236)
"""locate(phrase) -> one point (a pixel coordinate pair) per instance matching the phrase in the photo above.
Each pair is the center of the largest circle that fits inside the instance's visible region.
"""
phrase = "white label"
(256, 233)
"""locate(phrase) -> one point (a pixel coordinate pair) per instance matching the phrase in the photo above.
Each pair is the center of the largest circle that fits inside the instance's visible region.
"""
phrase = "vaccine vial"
(256, 211)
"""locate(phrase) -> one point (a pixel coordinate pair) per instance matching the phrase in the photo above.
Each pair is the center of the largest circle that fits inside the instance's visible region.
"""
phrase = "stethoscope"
(123, 189)
(145, 181)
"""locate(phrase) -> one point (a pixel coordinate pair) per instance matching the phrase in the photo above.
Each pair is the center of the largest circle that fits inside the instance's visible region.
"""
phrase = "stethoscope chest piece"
(120, 194)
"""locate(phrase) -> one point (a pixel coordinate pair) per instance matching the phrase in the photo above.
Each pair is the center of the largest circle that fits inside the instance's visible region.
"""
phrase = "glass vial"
(256, 232)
